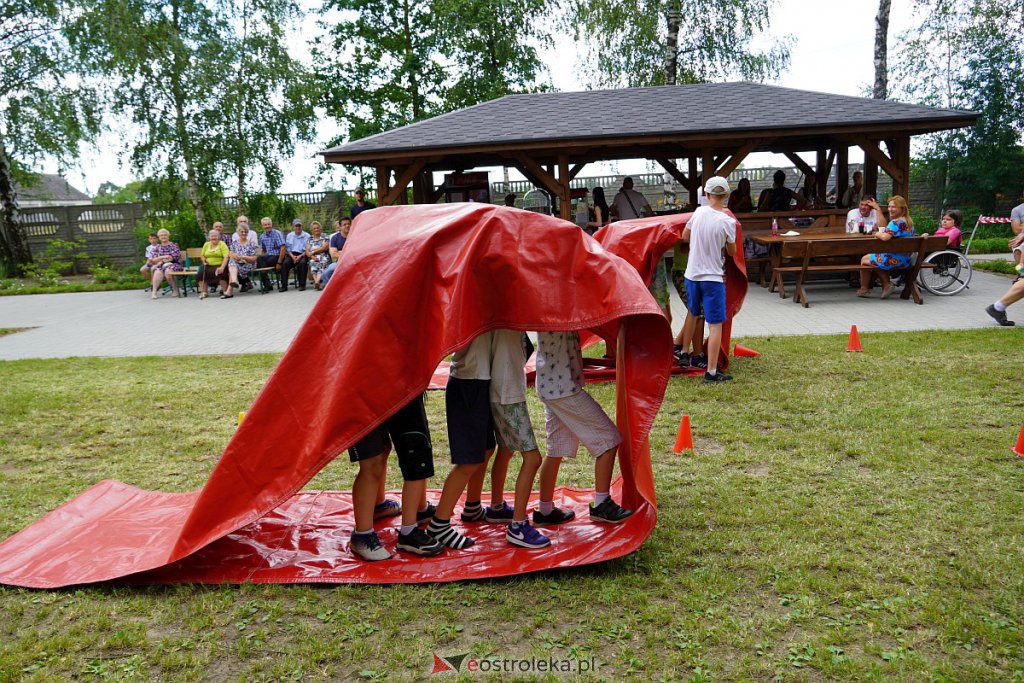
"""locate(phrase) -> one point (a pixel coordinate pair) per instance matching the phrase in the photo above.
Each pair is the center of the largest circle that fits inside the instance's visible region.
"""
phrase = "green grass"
(991, 245)
(63, 289)
(10, 330)
(845, 516)
(996, 267)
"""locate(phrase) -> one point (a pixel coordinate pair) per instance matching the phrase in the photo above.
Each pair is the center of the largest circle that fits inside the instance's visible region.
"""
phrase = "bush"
(991, 245)
(281, 211)
(59, 257)
(996, 267)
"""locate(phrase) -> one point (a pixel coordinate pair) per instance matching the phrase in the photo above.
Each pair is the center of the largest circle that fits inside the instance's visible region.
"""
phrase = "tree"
(881, 89)
(43, 110)
(206, 83)
(966, 54)
(639, 44)
(384, 65)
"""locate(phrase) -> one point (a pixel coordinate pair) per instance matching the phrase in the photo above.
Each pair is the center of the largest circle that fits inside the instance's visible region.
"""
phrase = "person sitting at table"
(778, 197)
(900, 225)
(740, 200)
(166, 258)
(337, 243)
(809, 192)
(862, 218)
(851, 198)
(214, 270)
(244, 252)
(949, 227)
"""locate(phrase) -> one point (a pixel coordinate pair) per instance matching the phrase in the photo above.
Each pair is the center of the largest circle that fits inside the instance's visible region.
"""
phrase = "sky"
(831, 48)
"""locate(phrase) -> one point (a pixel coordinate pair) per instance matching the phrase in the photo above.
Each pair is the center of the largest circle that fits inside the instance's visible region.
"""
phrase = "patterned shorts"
(659, 284)
(679, 280)
(578, 419)
(513, 427)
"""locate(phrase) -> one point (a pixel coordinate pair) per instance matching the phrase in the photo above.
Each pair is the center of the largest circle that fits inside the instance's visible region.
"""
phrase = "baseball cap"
(717, 186)
(296, 222)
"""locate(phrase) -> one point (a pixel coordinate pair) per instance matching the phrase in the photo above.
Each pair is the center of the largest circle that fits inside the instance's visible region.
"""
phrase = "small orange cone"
(1019, 448)
(741, 351)
(684, 440)
(854, 344)
(241, 416)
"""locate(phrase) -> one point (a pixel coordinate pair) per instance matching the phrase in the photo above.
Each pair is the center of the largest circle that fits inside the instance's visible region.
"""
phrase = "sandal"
(202, 296)
(863, 293)
(887, 291)
(227, 296)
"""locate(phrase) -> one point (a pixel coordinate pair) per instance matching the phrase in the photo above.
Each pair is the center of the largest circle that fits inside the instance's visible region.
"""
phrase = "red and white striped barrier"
(994, 219)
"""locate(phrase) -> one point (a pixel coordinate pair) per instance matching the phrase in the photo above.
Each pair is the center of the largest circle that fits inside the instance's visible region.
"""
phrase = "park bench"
(192, 255)
(816, 250)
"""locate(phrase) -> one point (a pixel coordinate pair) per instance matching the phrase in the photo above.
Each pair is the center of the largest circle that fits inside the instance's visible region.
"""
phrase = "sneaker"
(498, 515)
(556, 516)
(609, 511)
(426, 513)
(699, 362)
(446, 535)
(525, 536)
(386, 508)
(682, 359)
(418, 543)
(717, 377)
(368, 547)
(999, 316)
(477, 514)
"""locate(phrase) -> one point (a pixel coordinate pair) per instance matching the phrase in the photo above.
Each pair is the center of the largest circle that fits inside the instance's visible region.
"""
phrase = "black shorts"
(470, 423)
(409, 432)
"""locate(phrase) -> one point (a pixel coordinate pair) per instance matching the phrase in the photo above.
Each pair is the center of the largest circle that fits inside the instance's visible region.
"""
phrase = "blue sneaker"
(501, 514)
(525, 536)
(386, 508)
(699, 362)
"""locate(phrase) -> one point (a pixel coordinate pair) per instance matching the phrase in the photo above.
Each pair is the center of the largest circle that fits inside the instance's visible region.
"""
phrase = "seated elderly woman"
(215, 266)
(317, 252)
(166, 258)
(244, 251)
(900, 225)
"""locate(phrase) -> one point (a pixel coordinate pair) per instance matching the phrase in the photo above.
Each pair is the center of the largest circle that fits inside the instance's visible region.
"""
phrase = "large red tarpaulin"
(414, 284)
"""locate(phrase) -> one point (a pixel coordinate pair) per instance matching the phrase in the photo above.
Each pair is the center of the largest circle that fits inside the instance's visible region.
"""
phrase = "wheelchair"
(946, 272)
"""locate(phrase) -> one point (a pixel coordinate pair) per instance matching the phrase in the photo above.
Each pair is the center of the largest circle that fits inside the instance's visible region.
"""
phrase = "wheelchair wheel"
(950, 273)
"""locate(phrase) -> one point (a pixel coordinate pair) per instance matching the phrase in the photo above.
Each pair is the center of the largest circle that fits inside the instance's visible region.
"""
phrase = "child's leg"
(383, 478)
(604, 467)
(714, 344)
(698, 336)
(548, 478)
(524, 483)
(1018, 256)
(475, 488)
(454, 485)
(413, 491)
(499, 472)
(364, 491)
(685, 336)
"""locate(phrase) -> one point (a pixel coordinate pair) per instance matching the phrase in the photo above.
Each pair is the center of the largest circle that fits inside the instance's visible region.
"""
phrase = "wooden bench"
(788, 251)
(833, 248)
(192, 255)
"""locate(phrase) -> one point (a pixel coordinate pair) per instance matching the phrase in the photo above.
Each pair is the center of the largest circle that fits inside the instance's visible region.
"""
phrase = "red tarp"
(414, 284)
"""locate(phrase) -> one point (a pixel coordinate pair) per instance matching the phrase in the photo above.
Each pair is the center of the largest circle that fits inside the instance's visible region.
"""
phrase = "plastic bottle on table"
(775, 227)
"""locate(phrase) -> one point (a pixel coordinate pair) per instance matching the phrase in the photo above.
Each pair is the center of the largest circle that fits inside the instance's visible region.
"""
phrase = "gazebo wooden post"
(565, 200)
(383, 180)
(842, 172)
(695, 181)
(821, 172)
(707, 165)
(901, 155)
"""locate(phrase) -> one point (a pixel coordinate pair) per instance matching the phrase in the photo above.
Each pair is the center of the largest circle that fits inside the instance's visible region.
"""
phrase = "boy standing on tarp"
(573, 417)
(709, 232)
(514, 432)
(408, 431)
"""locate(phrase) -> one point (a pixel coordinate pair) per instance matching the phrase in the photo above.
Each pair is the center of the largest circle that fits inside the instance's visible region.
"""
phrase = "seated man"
(337, 244)
(863, 218)
(778, 197)
(271, 251)
(295, 245)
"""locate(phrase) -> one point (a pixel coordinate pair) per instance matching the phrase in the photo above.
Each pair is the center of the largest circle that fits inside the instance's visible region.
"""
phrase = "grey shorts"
(513, 427)
(577, 419)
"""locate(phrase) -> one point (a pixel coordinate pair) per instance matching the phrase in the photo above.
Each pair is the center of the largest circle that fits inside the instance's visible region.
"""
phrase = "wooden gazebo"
(551, 137)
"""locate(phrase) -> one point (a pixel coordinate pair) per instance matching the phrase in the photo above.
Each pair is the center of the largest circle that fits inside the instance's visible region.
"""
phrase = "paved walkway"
(128, 323)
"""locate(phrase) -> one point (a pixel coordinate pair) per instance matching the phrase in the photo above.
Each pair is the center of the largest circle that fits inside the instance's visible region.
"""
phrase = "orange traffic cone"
(854, 344)
(684, 440)
(741, 351)
(241, 416)
(1019, 448)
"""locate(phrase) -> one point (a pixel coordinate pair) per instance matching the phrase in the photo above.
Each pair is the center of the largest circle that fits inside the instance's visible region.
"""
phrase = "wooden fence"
(106, 229)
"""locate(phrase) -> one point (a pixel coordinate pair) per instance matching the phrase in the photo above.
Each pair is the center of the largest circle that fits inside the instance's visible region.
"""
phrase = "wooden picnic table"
(811, 245)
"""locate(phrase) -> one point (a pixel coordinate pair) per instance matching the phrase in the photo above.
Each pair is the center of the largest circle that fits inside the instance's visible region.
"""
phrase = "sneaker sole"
(497, 520)
(536, 523)
(421, 551)
(371, 559)
(524, 544)
(610, 521)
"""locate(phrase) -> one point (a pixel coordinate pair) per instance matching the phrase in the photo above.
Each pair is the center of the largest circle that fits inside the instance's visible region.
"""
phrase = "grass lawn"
(846, 516)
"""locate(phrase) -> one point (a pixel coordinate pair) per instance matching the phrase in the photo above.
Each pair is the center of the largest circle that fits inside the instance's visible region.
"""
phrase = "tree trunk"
(881, 89)
(14, 251)
(414, 88)
(181, 129)
(671, 59)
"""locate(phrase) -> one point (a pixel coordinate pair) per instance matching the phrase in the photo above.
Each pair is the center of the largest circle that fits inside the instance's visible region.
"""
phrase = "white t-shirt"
(710, 231)
(854, 218)
(622, 204)
(559, 365)
(508, 375)
(473, 361)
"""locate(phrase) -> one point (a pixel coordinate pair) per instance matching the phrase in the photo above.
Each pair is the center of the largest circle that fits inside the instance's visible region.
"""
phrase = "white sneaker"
(368, 547)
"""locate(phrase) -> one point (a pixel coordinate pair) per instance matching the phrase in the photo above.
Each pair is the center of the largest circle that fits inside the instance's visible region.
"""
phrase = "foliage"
(109, 193)
(1004, 267)
(990, 245)
(59, 257)
(967, 54)
(625, 43)
(105, 274)
(281, 211)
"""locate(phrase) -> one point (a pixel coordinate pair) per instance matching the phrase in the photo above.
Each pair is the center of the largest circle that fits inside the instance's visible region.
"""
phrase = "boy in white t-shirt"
(154, 242)
(709, 232)
(573, 417)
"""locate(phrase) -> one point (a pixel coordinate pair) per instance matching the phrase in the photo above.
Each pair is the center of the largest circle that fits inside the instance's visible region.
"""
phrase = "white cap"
(717, 186)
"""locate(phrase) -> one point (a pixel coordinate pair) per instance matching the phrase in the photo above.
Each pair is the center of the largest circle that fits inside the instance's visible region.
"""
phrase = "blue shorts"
(706, 299)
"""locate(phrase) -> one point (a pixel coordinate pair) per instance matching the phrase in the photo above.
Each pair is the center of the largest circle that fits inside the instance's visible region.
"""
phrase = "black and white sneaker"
(426, 514)
(418, 542)
(999, 316)
(556, 516)
(682, 359)
(444, 534)
(609, 511)
(368, 547)
(717, 377)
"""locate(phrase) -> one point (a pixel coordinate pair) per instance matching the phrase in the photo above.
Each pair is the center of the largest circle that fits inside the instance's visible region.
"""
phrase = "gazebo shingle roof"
(691, 110)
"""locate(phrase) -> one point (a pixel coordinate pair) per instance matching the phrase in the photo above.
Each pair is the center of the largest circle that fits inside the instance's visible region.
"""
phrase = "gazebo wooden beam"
(674, 171)
(739, 155)
(804, 167)
(575, 170)
(842, 172)
(536, 174)
(383, 181)
(694, 179)
(890, 166)
(401, 183)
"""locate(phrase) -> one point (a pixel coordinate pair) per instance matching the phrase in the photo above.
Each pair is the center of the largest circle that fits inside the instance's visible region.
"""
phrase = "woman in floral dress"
(245, 250)
(900, 225)
(167, 258)
(316, 252)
